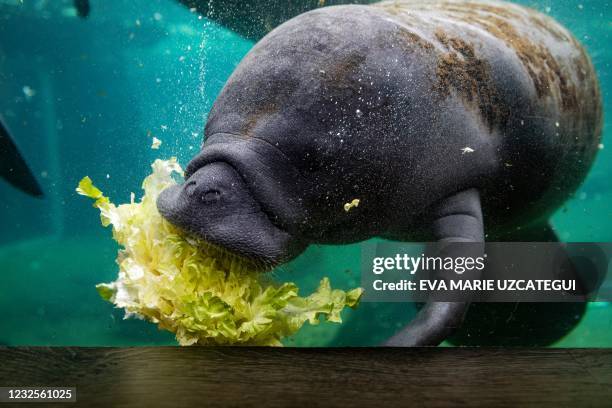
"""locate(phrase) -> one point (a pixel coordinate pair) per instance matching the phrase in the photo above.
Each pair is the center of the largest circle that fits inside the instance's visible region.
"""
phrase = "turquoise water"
(86, 96)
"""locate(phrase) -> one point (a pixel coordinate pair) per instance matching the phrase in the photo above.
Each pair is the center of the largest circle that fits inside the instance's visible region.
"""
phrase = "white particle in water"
(156, 143)
(28, 92)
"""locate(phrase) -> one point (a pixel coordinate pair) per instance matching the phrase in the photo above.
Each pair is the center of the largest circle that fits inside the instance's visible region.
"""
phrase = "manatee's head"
(216, 204)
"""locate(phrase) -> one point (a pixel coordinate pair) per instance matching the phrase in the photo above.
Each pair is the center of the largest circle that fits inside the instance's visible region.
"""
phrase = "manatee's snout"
(216, 205)
(202, 192)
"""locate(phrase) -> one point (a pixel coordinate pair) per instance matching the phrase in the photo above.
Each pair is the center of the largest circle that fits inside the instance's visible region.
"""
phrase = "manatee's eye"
(211, 196)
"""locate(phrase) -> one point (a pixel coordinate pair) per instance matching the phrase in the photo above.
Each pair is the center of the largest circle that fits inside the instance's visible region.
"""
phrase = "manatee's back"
(377, 103)
(532, 84)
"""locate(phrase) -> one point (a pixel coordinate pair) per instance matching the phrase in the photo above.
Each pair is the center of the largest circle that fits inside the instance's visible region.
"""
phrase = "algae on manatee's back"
(203, 294)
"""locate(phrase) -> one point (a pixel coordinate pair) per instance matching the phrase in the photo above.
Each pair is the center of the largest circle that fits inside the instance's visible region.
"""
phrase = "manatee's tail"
(13, 167)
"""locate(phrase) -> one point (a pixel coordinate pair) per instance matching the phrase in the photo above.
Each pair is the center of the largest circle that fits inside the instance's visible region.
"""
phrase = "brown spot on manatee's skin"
(544, 25)
(542, 67)
(549, 76)
(340, 71)
(410, 39)
(461, 70)
(263, 111)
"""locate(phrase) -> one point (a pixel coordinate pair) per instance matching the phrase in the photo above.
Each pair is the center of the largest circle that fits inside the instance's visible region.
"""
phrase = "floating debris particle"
(467, 149)
(28, 92)
(156, 143)
(557, 124)
(600, 146)
(354, 203)
(164, 127)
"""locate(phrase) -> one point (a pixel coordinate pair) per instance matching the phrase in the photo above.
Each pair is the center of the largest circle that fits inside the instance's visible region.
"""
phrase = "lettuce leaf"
(202, 293)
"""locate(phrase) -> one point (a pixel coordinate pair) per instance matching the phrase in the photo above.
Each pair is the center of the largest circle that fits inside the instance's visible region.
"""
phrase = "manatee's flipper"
(456, 219)
(82, 8)
(520, 324)
(255, 18)
(13, 167)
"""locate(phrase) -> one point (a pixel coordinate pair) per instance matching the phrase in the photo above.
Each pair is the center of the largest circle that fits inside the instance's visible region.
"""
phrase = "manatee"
(13, 167)
(449, 121)
(82, 7)
(253, 19)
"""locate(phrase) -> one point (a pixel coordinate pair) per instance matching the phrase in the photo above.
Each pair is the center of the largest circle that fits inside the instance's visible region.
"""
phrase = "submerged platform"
(262, 377)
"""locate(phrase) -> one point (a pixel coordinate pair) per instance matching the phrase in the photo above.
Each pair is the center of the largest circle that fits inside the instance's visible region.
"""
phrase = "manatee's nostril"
(190, 187)
(211, 196)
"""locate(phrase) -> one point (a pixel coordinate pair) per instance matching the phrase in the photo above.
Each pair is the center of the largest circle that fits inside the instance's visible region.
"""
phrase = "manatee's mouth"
(255, 262)
(257, 162)
(196, 165)
(231, 219)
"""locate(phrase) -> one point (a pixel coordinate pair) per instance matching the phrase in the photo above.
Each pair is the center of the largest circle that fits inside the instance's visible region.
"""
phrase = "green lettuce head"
(200, 292)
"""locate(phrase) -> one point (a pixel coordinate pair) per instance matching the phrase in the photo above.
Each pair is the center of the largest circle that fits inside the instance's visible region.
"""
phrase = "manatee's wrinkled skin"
(438, 117)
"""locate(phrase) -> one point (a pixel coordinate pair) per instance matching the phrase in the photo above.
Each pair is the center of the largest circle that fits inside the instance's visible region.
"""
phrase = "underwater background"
(85, 96)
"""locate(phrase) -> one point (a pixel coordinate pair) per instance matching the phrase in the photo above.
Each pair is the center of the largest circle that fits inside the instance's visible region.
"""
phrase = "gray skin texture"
(380, 103)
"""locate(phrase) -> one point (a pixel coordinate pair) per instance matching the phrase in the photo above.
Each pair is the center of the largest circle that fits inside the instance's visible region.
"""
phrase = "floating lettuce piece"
(200, 292)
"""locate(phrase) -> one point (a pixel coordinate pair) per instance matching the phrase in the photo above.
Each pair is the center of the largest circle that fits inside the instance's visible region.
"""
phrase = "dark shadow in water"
(518, 324)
